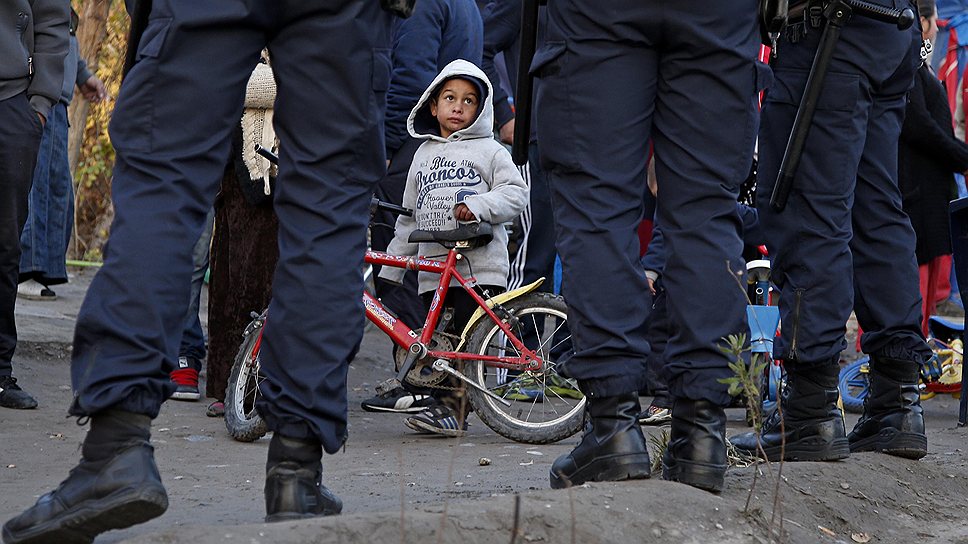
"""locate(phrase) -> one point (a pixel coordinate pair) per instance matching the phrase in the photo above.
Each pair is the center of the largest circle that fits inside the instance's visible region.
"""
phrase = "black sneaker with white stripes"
(398, 400)
(437, 419)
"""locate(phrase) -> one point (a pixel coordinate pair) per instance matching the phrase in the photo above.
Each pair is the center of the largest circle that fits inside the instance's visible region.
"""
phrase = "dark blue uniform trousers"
(172, 125)
(611, 76)
(843, 240)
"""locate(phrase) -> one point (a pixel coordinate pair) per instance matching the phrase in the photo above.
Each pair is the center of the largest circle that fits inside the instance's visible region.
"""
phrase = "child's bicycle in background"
(506, 354)
(764, 321)
(942, 374)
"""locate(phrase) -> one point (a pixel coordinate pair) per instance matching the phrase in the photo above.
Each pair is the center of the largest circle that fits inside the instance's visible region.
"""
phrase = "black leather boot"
(696, 454)
(116, 485)
(893, 422)
(612, 448)
(294, 488)
(812, 424)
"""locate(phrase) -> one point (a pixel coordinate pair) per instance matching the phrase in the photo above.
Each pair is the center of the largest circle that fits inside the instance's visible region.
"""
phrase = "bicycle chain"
(440, 341)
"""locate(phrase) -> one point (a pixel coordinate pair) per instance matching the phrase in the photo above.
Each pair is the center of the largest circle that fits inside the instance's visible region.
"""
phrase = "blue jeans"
(50, 217)
(193, 339)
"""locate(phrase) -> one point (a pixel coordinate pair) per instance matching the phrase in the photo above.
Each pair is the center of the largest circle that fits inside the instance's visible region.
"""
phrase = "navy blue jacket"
(752, 235)
(438, 32)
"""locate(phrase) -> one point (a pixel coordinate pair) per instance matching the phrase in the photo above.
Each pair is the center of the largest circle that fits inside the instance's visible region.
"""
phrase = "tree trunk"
(91, 32)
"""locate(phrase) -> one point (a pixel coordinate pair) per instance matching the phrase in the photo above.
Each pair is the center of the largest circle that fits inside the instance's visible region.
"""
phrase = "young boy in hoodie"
(459, 174)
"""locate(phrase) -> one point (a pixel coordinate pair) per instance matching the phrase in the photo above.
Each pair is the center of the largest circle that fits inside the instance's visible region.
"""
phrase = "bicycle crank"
(443, 366)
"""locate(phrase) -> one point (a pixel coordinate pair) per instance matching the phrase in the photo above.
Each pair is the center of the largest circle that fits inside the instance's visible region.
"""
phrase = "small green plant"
(746, 381)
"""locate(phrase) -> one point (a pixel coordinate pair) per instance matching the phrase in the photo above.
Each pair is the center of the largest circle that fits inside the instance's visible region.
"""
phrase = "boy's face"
(456, 106)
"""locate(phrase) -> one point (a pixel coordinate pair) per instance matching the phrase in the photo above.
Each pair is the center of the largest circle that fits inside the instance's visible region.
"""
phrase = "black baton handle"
(903, 18)
(523, 94)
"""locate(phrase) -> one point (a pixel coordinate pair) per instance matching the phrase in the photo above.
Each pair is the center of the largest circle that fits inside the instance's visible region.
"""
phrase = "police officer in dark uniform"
(171, 128)
(843, 242)
(610, 77)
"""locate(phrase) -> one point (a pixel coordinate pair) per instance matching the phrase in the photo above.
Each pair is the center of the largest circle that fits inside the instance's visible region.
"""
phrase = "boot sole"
(186, 396)
(81, 524)
(810, 450)
(293, 516)
(706, 477)
(894, 442)
(611, 468)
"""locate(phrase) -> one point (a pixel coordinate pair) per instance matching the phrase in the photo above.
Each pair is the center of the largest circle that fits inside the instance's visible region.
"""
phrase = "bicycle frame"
(405, 337)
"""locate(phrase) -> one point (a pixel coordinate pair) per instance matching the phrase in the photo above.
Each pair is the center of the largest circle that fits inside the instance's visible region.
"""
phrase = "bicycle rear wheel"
(241, 419)
(546, 407)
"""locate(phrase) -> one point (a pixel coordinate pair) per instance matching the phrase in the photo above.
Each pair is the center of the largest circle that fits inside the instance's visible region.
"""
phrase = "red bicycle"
(506, 354)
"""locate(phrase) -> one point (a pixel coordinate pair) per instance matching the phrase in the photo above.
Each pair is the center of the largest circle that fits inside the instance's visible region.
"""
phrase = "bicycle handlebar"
(377, 204)
(272, 157)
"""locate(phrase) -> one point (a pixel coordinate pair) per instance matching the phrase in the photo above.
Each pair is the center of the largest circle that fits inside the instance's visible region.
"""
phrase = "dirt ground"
(399, 487)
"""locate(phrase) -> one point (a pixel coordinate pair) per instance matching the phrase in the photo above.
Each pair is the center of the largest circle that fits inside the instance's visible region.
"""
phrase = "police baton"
(523, 94)
(837, 13)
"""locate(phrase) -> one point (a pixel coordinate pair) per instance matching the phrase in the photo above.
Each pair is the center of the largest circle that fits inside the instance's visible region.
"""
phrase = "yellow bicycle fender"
(499, 299)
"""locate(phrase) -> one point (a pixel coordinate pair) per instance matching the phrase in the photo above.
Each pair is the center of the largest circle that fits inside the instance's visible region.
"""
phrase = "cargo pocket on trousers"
(553, 95)
(824, 167)
(153, 38)
(133, 123)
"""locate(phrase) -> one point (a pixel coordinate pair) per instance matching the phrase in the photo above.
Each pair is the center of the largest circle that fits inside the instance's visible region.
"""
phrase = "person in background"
(438, 33)
(50, 217)
(928, 156)
(459, 174)
(34, 41)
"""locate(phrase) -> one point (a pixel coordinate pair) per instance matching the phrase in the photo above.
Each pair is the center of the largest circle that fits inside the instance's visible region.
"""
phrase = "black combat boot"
(294, 488)
(893, 422)
(116, 485)
(812, 425)
(696, 453)
(612, 448)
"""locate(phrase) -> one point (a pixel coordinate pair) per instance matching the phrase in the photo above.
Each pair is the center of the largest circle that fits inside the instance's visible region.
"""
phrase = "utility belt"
(794, 18)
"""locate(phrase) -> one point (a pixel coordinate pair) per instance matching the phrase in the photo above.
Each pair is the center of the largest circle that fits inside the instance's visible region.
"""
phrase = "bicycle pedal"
(387, 386)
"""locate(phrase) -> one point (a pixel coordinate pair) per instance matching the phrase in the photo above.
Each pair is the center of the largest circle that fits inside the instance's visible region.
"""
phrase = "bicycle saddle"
(468, 235)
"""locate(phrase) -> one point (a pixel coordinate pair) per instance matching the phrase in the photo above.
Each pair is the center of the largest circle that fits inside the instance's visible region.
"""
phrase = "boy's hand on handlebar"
(463, 213)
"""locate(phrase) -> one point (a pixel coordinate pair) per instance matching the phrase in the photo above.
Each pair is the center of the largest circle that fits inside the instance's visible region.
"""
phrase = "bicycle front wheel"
(241, 419)
(545, 406)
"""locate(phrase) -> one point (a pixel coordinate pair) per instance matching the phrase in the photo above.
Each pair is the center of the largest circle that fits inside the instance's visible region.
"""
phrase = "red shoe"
(186, 377)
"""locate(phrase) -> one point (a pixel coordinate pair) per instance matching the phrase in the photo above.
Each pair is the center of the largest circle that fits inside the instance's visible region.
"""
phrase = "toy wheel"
(854, 385)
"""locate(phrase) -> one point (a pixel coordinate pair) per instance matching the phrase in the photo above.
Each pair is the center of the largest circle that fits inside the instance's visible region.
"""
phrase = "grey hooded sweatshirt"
(469, 166)
(33, 44)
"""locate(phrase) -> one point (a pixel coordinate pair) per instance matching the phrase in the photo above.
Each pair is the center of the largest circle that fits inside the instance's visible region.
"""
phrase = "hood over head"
(421, 124)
